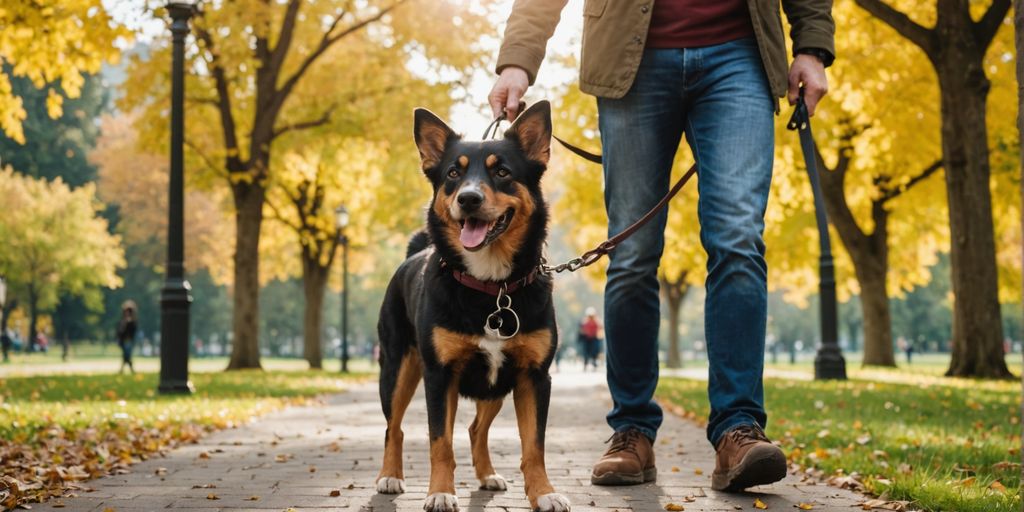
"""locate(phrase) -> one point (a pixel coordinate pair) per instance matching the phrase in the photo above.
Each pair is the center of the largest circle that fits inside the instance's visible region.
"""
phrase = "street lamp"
(175, 298)
(829, 363)
(341, 219)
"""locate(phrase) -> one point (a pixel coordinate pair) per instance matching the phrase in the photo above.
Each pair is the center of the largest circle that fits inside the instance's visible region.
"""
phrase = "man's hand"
(507, 91)
(807, 70)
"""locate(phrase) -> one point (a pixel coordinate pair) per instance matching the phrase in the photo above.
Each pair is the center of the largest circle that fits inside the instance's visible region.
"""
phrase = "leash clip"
(492, 326)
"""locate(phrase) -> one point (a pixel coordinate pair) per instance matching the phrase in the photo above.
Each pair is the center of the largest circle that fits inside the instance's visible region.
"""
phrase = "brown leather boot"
(628, 461)
(746, 458)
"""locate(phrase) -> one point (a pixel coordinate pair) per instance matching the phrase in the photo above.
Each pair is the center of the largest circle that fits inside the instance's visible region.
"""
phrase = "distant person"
(65, 347)
(907, 347)
(126, 329)
(42, 341)
(6, 342)
(590, 338)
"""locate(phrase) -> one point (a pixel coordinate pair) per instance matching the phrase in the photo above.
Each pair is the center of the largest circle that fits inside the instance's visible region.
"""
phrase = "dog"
(468, 311)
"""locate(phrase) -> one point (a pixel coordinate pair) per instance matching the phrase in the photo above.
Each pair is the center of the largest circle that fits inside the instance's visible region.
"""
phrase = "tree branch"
(899, 21)
(227, 117)
(206, 159)
(889, 193)
(325, 42)
(985, 29)
(304, 125)
(284, 39)
(280, 218)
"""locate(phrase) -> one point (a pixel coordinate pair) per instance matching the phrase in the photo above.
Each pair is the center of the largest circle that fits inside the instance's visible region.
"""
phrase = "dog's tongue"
(473, 233)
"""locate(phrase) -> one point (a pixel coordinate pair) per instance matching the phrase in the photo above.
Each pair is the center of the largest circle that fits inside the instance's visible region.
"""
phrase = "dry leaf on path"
(804, 506)
(760, 504)
(674, 507)
(212, 496)
(335, 493)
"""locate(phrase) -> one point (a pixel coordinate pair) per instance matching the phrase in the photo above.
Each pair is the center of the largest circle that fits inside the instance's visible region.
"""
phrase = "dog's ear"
(431, 137)
(533, 132)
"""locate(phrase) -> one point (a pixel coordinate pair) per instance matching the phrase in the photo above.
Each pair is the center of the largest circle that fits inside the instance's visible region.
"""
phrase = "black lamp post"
(829, 362)
(175, 298)
(341, 222)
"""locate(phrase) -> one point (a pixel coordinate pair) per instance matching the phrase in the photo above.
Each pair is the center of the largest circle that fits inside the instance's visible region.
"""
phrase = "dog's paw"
(390, 485)
(441, 502)
(494, 482)
(553, 502)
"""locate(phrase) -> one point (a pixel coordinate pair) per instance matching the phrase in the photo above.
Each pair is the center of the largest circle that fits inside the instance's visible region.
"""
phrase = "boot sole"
(766, 469)
(613, 478)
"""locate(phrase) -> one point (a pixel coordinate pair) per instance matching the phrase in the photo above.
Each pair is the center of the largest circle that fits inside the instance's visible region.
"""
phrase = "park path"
(299, 457)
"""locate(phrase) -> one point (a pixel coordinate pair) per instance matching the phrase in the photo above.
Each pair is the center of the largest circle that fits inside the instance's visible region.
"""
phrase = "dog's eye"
(453, 173)
(502, 172)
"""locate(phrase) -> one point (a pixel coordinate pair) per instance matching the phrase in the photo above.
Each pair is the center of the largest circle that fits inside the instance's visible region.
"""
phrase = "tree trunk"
(675, 294)
(245, 350)
(1018, 19)
(314, 283)
(977, 327)
(870, 256)
(877, 322)
(33, 320)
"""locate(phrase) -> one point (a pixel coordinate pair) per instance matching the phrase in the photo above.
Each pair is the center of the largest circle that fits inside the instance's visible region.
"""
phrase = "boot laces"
(748, 434)
(626, 440)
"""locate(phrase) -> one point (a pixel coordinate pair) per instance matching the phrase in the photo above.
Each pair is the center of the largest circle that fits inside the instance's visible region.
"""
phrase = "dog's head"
(488, 212)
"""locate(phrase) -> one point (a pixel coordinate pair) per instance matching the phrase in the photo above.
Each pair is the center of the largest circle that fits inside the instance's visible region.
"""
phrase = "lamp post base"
(174, 337)
(829, 364)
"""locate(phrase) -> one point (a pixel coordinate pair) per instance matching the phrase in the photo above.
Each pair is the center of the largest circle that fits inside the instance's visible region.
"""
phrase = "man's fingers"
(497, 101)
(813, 94)
(512, 103)
(794, 88)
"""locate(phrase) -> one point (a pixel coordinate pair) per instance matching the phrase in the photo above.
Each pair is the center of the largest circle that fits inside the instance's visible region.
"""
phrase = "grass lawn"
(944, 444)
(57, 430)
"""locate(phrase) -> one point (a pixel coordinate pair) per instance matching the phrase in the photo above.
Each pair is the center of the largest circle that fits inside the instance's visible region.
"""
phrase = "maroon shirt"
(696, 23)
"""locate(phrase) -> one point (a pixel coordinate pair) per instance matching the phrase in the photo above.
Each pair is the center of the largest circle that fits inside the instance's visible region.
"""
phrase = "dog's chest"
(493, 350)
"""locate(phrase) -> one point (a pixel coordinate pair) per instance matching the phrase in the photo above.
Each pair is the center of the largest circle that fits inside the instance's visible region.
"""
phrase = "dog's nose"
(470, 200)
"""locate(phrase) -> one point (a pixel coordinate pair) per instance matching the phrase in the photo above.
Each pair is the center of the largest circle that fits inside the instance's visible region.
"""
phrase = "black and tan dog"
(468, 311)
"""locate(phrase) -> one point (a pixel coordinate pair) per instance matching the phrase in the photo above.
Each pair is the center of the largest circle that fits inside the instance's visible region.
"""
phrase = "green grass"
(57, 429)
(940, 443)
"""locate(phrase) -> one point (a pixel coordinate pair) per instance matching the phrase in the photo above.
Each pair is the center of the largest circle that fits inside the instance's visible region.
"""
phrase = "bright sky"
(472, 115)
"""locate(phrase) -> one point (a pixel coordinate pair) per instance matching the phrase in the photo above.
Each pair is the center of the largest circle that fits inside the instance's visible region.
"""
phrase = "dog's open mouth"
(477, 233)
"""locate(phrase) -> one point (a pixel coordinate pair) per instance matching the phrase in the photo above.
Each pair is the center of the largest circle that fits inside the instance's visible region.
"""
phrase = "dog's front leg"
(532, 395)
(442, 400)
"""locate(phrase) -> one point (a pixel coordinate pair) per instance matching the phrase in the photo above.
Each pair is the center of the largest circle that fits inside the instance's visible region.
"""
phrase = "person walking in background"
(126, 329)
(5, 344)
(590, 338)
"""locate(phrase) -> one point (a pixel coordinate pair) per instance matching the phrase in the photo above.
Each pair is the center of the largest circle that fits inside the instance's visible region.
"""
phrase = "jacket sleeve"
(526, 37)
(812, 24)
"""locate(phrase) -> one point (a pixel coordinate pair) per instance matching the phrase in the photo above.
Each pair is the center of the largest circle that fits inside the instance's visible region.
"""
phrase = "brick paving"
(298, 457)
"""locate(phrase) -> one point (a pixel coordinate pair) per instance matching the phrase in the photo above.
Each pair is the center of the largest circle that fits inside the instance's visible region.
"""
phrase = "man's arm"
(529, 27)
(812, 29)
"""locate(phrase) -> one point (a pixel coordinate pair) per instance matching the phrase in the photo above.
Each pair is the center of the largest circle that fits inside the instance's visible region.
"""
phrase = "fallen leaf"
(760, 504)
(204, 486)
(675, 469)
(160, 471)
(351, 486)
(996, 486)
(212, 496)
(335, 493)
(674, 507)
(253, 498)
(804, 506)
(204, 455)
(698, 471)
(59, 504)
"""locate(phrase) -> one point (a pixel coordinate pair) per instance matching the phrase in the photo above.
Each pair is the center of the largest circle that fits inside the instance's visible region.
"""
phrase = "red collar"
(492, 287)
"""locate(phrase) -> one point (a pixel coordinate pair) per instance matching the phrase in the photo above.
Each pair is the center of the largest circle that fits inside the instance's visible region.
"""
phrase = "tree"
(56, 146)
(253, 59)
(1018, 18)
(54, 242)
(956, 47)
(52, 43)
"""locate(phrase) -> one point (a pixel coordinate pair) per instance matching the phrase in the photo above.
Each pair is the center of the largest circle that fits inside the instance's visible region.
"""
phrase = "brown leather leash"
(592, 256)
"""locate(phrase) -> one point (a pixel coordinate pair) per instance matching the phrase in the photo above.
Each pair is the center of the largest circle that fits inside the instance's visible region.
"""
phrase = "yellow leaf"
(996, 486)
(212, 496)
(759, 504)
(674, 507)
(804, 506)
(698, 471)
(675, 469)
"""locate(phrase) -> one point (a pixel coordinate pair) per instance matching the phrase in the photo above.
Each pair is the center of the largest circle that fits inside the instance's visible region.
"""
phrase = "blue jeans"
(720, 98)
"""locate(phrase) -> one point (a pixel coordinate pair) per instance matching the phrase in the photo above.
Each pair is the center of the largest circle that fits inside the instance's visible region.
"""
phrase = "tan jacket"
(614, 32)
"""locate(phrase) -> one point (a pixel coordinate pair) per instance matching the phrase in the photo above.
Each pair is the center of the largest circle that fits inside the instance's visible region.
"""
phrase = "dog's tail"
(418, 242)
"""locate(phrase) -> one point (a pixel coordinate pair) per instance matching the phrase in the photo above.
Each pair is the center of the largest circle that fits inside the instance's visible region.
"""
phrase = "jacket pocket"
(594, 8)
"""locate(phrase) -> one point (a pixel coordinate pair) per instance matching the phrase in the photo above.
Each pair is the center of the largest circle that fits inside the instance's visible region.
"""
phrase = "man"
(712, 69)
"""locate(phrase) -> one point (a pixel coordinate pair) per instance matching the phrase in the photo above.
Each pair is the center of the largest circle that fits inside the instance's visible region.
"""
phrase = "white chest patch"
(492, 348)
(486, 266)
